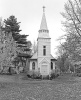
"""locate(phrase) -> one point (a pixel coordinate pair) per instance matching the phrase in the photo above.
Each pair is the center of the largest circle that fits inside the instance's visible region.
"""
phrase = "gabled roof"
(52, 58)
(35, 57)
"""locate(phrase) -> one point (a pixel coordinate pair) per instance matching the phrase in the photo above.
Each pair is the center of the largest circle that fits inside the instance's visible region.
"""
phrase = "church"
(42, 60)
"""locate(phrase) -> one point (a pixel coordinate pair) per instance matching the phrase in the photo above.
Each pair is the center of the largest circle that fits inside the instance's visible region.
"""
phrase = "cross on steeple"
(44, 8)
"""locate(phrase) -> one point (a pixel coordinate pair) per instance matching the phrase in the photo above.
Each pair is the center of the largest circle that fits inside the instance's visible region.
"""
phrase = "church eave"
(42, 38)
(53, 59)
(33, 59)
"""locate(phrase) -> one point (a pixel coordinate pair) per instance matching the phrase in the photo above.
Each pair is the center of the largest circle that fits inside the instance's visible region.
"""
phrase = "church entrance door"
(44, 69)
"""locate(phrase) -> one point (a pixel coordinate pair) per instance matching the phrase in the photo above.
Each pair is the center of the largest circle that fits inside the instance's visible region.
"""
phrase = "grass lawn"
(64, 87)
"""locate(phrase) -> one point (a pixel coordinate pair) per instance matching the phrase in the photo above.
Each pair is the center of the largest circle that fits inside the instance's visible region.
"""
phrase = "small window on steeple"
(44, 50)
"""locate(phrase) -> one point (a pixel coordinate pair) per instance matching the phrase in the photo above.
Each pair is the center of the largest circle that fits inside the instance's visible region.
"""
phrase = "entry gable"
(44, 61)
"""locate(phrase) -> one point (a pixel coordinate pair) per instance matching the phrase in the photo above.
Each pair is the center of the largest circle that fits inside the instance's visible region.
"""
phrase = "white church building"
(42, 60)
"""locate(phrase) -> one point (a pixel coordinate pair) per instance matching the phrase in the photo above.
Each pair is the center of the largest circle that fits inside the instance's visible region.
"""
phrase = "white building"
(42, 60)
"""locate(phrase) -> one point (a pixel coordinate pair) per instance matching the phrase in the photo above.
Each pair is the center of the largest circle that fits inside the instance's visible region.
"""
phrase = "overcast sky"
(29, 13)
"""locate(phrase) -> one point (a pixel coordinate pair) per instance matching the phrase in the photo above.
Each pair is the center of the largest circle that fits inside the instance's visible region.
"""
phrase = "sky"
(29, 13)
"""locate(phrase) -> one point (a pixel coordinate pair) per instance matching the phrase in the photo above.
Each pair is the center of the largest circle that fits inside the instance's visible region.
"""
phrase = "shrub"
(29, 74)
(57, 71)
(78, 70)
(34, 74)
(78, 74)
(5, 70)
(53, 74)
(13, 71)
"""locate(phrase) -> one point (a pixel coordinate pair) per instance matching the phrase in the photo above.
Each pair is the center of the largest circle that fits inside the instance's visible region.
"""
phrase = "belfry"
(42, 60)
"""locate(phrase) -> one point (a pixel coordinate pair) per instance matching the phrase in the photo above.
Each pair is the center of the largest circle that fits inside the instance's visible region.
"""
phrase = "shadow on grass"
(68, 79)
(30, 79)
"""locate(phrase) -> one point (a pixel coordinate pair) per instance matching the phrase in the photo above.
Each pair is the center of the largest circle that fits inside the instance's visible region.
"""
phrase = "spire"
(43, 32)
(43, 26)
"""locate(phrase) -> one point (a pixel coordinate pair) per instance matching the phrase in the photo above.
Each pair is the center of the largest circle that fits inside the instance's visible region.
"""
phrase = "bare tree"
(72, 17)
(8, 48)
(72, 24)
(34, 47)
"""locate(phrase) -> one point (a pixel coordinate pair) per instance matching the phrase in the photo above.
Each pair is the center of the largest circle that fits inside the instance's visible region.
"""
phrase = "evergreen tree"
(23, 48)
(11, 25)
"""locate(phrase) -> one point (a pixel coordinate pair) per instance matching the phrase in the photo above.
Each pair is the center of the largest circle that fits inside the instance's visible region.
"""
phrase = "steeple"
(43, 26)
(43, 32)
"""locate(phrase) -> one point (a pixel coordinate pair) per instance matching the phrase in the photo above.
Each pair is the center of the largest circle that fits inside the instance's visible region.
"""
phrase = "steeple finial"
(44, 8)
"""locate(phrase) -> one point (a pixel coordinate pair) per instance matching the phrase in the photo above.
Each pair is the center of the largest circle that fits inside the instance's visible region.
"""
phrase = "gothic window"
(33, 66)
(44, 50)
(51, 65)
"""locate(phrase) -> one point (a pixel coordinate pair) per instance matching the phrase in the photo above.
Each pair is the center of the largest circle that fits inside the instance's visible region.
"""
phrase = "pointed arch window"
(51, 65)
(44, 50)
(33, 66)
